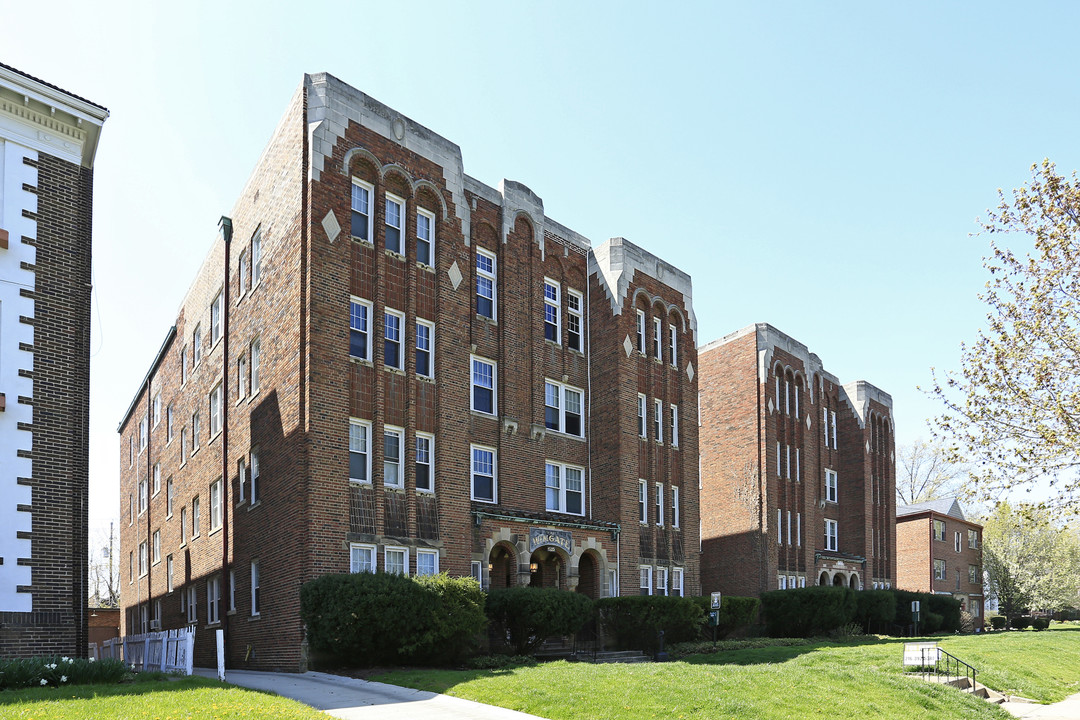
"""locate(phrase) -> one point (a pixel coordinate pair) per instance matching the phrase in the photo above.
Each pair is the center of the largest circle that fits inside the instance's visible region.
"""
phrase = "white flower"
(51, 666)
(63, 678)
(44, 681)
(90, 660)
(65, 659)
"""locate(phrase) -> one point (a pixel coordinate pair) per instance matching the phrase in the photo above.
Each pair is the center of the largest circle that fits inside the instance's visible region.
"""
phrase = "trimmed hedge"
(735, 612)
(528, 616)
(945, 606)
(635, 621)
(1021, 623)
(875, 610)
(366, 618)
(1040, 624)
(807, 612)
(998, 622)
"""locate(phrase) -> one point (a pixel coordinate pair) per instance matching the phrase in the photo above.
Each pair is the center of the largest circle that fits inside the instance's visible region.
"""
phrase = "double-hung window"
(485, 284)
(183, 526)
(830, 535)
(183, 366)
(215, 319)
(425, 238)
(396, 560)
(973, 539)
(143, 564)
(658, 420)
(831, 494)
(157, 479)
(142, 435)
(564, 488)
(427, 562)
(642, 432)
(255, 487)
(393, 446)
(195, 517)
(196, 344)
(645, 582)
(660, 504)
(241, 275)
(661, 581)
(825, 424)
(939, 569)
(483, 385)
(157, 409)
(643, 502)
(256, 362)
(832, 423)
(359, 326)
(973, 575)
(192, 608)
(256, 258)
(674, 425)
(213, 600)
(425, 458)
(562, 408)
(194, 431)
(241, 477)
(169, 497)
(392, 355)
(360, 220)
(359, 451)
(157, 547)
(658, 338)
(256, 606)
(215, 506)
(673, 341)
(552, 308)
(168, 424)
(484, 479)
(677, 582)
(241, 376)
(573, 320)
(675, 507)
(641, 331)
(361, 558)
(939, 530)
(142, 496)
(395, 223)
(169, 573)
(215, 410)
(957, 541)
(425, 338)
(183, 446)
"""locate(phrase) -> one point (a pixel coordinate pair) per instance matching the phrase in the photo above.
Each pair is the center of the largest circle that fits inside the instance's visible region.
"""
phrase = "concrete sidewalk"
(355, 699)
(1067, 709)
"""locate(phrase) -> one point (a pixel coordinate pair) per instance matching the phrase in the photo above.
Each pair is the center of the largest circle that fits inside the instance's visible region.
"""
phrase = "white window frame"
(232, 591)
(215, 411)
(392, 199)
(473, 474)
(356, 563)
(430, 239)
(213, 600)
(183, 366)
(255, 353)
(676, 510)
(779, 465)
(561, 395)
(787, 462)
(474, 361)
(958, 542)
(659, 504)
(360, 312)
(798, 529)
(183, 446)
(429, 439)
(216, 307)
(215, 505)
(789, 527)
(144, 559)
(156, 488)
(241, 477)
(142, 435)
(196, 347)
(256, 258)
(832, 419)
(143, 495)
(798, 465)
(825, 424)
(241, 376)
(170, 494)
(645, 581)
(183, 526)
(641, 331)
(779, 526)
(575, 302)
(832, 486)
(561, 487)
(553, 310)
(674, 425)
(169, 567)
(658, 338)
(196, 518)
(387, 550)
(643, 502)
(673, 342)
(192, 605)
(643, 431)
(253, 491)
(195, 432)
(241, 275)
(155, 556)
(476, 571)
(973, 539)
(396, 332)
(661, 581)
(428, 348)
(368, 197)
(781, 582)
(677, 588)
(944, 569)
(388, 461)
(934, 528)
(658, 419)
(434, 555)
(168, 424)
(363, 440)
(832, 535)
(490, 276)
(256, 589)
(156, 405)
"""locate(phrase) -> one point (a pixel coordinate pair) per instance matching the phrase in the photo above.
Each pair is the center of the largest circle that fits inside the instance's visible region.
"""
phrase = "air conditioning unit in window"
(155, 624)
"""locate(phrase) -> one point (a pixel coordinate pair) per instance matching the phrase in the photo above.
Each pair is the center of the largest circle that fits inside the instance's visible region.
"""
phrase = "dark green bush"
(1040, 624)
(367, 618)
(59, 671)
(499, 662)
(1021, 623)
(998, 622)
(875, 610)
(948, 608)
(735, 612)
(944, 605)
(528, 616)
(635, 621)
(930, 622)
(807, 612)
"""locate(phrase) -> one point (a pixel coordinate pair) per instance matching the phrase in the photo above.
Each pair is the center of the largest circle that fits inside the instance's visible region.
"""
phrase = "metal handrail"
(952, 666)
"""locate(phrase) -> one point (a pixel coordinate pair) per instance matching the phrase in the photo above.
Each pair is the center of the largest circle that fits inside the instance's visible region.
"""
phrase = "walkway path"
(1067, 709)
(354, 699)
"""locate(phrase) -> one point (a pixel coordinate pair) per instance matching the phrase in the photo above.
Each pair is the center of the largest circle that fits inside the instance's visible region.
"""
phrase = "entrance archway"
(546, 569)
(502, 567)
(853, 581)
(824, 579)
(838, 580)
(588, 576)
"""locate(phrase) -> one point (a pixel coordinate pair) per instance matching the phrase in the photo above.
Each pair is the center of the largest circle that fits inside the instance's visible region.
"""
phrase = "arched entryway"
(824, 579)
(502, 567)
(547, 568)
(853, 581)
(589, 576)
(838, 580)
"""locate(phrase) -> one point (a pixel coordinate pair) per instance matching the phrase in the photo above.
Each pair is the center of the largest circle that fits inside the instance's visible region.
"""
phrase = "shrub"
(945, 606)
(967, 622)
(635, 621)
(1040, 624)
(528, 615)
(498, 662)
(59, 671)
(807, 612)
(930, 622)
(998, 622)
(1021, 623)
(875, 610)
(948, 608)
(378, 617)
(735, 612)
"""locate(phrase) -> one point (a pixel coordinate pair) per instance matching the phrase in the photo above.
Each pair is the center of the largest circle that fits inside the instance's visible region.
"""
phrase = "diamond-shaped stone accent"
(331, 226)
(455, 275)
(808, 421)
(690, 370)
(770, 406)
(628, 346)
(867, 447)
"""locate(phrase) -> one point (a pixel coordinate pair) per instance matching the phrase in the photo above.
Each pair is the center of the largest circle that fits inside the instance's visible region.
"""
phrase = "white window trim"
(832, 486)
(388, 313)
(659, 504)
(405, 559)
(673, 342)
(579, 314)
(400, 202)
(241, 275)
(196, 347)
(213, 600)
(255, 364)
(216, 417)
(779, 526)
(431, 240)
(169, 568)
(427, 553)
(493, 276)
(430, 348)
(798, 529)
(370, 210)
(643, 502)
(643, 421)
(367, 452)
(366, 304)
(353, 567)
(400, 433)
(676, 510)
(216, 328)
(430, 463)
(658, 338)
(494, 474)
(832, 418)
(674, 425)
(562, 390)
(563, 491)
(658, 419)
(677, 582)
(241, 376)
(661, 581)
(253, 471)
(645, 572)
(216, 507)
(256, 258)
(834, 537)
(789, 527)
(192, 605)
(641, 331)
(556, 305)
(494, 385)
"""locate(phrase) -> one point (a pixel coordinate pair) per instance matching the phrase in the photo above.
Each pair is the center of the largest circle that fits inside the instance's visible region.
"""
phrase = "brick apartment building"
(939, 551)
(797, 470)
(48, 139)
(406, 370)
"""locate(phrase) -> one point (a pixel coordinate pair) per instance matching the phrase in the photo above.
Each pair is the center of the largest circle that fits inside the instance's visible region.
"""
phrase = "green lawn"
(190, 698)
(819, 680)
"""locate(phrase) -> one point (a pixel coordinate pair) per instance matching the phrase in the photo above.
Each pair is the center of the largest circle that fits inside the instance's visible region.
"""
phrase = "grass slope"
(851, 680)
(191, 698)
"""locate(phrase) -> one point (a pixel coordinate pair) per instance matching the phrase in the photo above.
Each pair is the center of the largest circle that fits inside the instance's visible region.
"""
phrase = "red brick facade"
(338, 397)
(939, 551)
(776, 430)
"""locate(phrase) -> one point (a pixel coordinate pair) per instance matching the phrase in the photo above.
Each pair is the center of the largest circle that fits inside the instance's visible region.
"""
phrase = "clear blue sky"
(817, 166)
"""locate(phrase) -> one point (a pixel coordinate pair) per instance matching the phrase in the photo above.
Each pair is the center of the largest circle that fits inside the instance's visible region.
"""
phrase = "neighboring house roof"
(945, 506)
(54, 87)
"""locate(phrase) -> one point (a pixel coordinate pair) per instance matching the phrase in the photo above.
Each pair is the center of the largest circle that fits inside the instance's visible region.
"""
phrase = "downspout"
(588, 376)
(226, 231)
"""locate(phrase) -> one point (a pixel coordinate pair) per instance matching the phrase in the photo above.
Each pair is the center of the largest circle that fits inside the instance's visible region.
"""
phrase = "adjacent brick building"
(797, 470)
(939, 551)
(406, 370)
(48, 139)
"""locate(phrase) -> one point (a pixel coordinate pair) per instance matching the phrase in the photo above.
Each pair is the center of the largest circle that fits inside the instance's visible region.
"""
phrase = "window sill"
(213, 532)
(425, 267)
(364, 483)
(168, 517)
(553, 343)
(394, 370)
(212, 626)
(398, 489)
(488, 320)
(240, 401)
(213, 438)
(183, 544)
(361, 361)
(575, 351)
(256, 616)
(482, 414)
(253, 395)
(254, 505)
(426, 378)
(394, 254)
(486, 502)
(568, 436)
(194, 451)
(425, 491)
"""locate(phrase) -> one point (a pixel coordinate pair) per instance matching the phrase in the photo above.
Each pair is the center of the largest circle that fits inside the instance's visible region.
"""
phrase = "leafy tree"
(1030, 561)
(927, 472)
(1014, 407)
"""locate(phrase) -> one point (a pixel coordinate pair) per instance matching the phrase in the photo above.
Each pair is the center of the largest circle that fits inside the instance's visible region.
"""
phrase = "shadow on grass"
(87, 692)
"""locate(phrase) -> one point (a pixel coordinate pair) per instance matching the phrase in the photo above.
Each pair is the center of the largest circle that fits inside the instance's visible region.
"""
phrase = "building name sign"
(539, 537)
